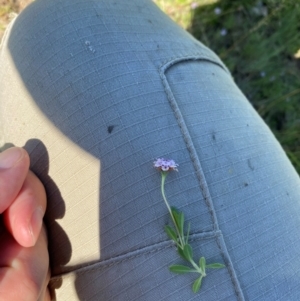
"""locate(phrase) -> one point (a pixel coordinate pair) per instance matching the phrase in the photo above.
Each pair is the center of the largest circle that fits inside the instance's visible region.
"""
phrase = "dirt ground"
(7, 8)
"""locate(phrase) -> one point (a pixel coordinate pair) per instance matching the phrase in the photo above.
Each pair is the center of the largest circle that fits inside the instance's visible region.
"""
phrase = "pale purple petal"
(165, 164)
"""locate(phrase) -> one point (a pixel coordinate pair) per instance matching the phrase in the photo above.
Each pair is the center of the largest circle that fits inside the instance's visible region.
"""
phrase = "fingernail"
(10, 157)
(36, 223)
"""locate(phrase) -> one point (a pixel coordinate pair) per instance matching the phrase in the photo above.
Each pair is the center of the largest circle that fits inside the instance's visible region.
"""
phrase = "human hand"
(24, 258)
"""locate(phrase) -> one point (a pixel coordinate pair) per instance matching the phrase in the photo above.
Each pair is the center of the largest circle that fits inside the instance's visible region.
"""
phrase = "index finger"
(24, 217)
(14, 166)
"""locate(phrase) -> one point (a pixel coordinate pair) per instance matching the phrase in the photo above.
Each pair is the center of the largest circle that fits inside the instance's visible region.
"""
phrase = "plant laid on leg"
(177, 233)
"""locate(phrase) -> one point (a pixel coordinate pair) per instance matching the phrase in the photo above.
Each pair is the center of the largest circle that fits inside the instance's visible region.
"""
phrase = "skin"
(24, 258)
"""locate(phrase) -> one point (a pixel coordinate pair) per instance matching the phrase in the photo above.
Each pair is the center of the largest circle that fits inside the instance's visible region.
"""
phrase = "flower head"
(165, 164)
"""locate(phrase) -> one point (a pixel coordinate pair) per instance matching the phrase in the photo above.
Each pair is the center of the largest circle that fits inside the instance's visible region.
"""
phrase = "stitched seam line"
(135, 254)
(230, 268)
(197, 165)
(187, 138)
(191, 57)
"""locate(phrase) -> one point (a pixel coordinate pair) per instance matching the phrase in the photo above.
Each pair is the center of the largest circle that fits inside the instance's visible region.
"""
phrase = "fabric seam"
(135, 254)
(186, 136)
(191, 57)
(196, 162)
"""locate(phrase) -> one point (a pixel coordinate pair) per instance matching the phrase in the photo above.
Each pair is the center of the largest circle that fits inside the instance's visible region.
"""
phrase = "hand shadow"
(39, 164)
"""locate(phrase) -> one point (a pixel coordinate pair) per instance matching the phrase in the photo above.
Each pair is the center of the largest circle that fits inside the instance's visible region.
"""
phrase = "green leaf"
(188, 252)
(202, 263)
(171, 233)
(179, 219)
(197, 284)
(176, 214)
(181, 224)
(180, 269)
(188, 233)
(174, 210)
(181, 253)
(215, 266)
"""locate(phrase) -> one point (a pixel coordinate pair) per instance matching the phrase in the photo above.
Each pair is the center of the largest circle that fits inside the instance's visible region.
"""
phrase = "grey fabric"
(127, 85)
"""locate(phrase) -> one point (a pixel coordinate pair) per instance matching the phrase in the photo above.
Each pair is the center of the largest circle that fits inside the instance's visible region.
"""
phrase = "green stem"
(163, 178)
(193, 263)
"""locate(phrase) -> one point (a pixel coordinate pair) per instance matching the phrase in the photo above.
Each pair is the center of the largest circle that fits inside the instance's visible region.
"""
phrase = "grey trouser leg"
(96, 90)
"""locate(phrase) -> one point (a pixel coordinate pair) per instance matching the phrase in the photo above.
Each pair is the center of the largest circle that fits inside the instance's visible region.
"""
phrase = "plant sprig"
(177, 234)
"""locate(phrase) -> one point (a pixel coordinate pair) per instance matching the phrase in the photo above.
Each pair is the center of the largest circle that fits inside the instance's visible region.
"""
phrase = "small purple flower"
(165, 164)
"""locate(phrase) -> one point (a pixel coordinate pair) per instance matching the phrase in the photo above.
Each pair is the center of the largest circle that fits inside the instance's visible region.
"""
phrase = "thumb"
(14, 165)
